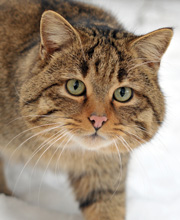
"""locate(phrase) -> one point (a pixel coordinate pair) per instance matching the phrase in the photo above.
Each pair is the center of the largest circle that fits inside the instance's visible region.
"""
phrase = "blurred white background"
(153, 185)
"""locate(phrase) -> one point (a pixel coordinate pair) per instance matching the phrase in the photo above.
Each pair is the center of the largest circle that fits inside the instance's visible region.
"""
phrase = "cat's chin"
(93, 142)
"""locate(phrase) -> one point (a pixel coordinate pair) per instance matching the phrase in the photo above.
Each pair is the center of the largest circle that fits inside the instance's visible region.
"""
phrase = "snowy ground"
(154, 174)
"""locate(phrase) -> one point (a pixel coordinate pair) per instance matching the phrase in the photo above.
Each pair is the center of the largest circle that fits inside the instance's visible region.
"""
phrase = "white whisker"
(131, 150)
(34, 153)
(51, 160)
(57, 138)
(19, 176)
(121, 171)
(23, 132)
(139, 128)
(136, 137)
(57, 167)
(125, 144)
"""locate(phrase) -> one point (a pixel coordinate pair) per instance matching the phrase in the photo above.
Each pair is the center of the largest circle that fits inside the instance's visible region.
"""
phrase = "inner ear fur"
(55, 32)
(153, 45)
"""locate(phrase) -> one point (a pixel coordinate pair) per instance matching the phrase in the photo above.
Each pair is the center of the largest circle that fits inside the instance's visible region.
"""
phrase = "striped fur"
(42, 123)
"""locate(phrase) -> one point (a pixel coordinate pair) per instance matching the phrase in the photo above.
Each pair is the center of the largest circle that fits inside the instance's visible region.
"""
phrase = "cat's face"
(97, 95)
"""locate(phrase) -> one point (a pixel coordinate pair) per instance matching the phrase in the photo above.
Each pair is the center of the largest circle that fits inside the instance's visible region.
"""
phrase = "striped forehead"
(104, 61)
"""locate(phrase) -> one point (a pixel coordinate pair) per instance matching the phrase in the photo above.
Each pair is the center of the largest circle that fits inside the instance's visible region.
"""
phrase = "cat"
(78, 93)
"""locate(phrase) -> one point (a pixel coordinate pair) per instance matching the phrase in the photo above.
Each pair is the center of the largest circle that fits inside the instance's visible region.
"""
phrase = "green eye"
(123, 94)
(75, 87)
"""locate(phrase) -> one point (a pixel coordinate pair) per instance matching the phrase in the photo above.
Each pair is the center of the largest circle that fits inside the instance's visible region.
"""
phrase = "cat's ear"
(152, 46)
(55, 32)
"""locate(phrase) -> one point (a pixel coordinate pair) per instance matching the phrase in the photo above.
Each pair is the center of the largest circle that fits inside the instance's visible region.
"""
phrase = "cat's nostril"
(92, 121)
(97, 121)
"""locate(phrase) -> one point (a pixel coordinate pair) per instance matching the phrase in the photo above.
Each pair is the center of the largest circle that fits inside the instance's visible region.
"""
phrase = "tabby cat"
(77, 94)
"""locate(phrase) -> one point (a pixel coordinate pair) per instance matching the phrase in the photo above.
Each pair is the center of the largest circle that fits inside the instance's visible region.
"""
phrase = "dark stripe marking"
(103, 30)
(44, 115)
(119, 53)
(39, 96)
(125, 35)
(97, 65)
(84, 67)
(97, 195)
(91, 50)
(27, 48)
(142, 128)
(121, 58)
(114, 33)
(141, 125)
(86, 203)
(121, 74)
(51, 112)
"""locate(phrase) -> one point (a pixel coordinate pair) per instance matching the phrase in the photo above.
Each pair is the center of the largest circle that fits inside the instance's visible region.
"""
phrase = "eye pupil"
(76, 85)
(122, 91)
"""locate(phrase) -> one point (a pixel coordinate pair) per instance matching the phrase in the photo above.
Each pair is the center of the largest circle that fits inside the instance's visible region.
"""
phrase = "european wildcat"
(78, 93)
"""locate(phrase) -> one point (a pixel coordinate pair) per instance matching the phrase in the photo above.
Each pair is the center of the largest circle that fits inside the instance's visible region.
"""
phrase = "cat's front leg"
(109, 207)
(101, 191)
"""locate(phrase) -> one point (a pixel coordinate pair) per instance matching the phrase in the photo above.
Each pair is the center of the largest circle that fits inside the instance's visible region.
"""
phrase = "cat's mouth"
(96, 136)
(95, 141)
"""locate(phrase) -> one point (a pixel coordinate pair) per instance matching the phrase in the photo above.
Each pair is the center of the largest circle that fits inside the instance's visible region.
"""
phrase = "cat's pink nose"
(97, 121)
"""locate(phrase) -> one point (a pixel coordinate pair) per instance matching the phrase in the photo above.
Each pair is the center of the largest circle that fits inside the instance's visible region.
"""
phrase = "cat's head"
(94, 90)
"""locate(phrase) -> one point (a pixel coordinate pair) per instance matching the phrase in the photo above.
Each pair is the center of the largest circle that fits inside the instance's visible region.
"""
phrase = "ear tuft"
(152, 46)
(55, 32)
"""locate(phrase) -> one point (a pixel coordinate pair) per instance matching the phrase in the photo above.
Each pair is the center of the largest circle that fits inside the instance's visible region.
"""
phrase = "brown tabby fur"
(36, 60)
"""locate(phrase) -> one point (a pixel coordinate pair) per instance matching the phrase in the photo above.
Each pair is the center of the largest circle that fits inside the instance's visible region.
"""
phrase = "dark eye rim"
(81, 94)
(132, 94)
